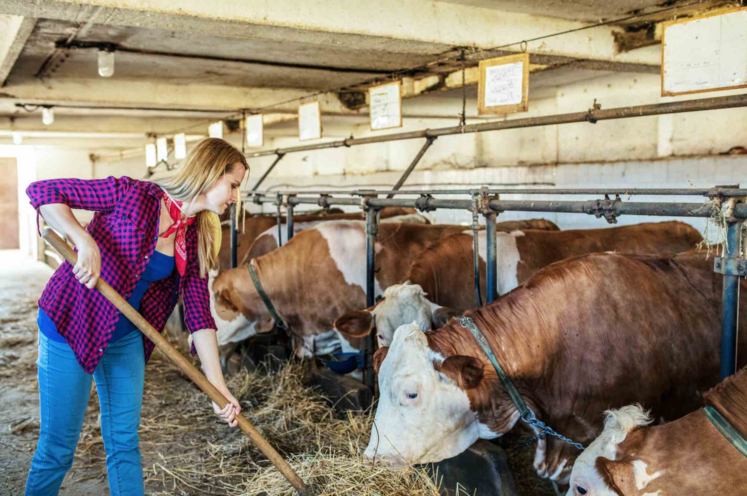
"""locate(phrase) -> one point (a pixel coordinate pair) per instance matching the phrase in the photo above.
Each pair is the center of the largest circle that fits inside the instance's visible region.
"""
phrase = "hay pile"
(204, 456)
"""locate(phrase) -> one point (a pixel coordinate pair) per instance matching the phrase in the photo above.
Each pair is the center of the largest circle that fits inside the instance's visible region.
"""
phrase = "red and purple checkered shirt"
(125, 227)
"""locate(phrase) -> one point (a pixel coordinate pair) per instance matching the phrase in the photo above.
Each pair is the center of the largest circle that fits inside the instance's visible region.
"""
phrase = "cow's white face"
(402, 304)
(422, 415)
(585, 478)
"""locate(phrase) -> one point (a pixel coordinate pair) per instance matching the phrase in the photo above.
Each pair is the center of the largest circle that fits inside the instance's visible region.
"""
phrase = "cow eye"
(412, 396)
(581, 490)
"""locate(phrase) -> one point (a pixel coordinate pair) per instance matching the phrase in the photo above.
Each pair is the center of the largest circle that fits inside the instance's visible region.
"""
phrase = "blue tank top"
(159, 267)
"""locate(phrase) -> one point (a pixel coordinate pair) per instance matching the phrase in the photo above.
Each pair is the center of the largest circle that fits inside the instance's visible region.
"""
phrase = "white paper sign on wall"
(707, 53)
(162, 149)
(504, 85)
(254, 131)
(180, 146)
(309, 121)
(385, 104)
(215, 130)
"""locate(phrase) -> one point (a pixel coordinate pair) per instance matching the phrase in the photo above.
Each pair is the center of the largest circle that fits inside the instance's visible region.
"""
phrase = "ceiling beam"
(415, 26)
(14, 31)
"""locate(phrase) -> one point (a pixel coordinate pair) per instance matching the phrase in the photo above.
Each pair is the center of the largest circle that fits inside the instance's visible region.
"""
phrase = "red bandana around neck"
(180, 226)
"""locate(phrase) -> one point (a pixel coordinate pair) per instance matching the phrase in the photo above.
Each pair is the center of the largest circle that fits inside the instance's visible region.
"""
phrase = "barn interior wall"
(682, 150)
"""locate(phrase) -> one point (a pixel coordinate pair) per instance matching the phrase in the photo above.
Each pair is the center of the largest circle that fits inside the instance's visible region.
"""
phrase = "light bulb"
(180, 146)
(47, 116)
(17, 138)
(106, 63)
(150, 155)
(215, 130)
(162, 147)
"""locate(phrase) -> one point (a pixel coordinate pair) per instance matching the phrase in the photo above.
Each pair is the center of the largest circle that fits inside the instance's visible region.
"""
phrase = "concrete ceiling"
(575, 10)
(188, 60)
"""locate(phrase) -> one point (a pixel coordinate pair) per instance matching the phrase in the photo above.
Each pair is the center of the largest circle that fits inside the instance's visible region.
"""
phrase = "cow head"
(230, 295)
(595, 472)
(402, 304)
(424, 413)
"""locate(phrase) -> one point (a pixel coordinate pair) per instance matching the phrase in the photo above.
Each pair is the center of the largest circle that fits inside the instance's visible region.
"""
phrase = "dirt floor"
(185, 449)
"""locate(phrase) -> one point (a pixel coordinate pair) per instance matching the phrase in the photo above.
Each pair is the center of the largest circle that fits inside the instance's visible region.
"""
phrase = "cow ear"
(265, 325)
(618, 475)
(355, 324)
(465, 371)
(443, 315)
(379, 357)
(223, 300)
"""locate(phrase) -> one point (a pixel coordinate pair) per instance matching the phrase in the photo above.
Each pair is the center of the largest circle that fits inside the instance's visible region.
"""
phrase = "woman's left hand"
(231, 410)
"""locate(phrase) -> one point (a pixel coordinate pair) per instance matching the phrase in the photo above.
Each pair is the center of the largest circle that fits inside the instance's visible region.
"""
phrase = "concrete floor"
(21, 283)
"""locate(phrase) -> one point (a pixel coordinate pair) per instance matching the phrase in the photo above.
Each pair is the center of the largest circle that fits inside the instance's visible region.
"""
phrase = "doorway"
(9, 221)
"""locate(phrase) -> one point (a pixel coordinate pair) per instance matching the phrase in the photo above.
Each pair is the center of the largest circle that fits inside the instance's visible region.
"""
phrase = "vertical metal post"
(491, 269)
(289, 220)
(732, 266)
(372, 231)
(476, 245)
(233, 237)
(280, 222)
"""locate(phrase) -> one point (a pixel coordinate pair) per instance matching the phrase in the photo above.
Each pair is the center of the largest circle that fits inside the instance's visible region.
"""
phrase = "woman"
(149, 241)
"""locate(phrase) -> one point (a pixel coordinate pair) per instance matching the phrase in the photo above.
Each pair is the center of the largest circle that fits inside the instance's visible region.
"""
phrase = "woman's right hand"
(88, 268)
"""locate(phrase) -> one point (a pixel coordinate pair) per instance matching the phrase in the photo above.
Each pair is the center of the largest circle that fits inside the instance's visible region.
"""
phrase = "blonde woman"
(150, 242)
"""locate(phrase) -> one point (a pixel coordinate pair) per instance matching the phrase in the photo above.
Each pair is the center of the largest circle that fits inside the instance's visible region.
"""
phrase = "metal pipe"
(413, 164)
(234, 244)
(280, 224)
(289, 217)
(372, 230)
(267, 172)
(730, 303)
(725, 192)
(723, 102)
(577, 207)
(492, 268)
(476, 254)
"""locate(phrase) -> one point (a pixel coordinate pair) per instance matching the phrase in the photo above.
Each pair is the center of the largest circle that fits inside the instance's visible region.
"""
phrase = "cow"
(440, 283)
(581, 336)
(258, 224)
(318, 275)
(687, 456)
(268, 240)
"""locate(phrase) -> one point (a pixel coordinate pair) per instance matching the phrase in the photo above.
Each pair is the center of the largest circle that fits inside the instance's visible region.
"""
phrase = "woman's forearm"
(60, 217)
(206, 344)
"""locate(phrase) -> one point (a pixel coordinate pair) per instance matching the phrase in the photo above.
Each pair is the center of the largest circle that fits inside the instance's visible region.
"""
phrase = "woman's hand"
(231, 410)
(88, 268)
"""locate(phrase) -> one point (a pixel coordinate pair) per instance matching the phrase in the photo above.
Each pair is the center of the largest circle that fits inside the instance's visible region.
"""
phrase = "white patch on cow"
(642, 479)
(402, 304)
(347, 247)
(435, 424)
(229, 331)
(507, 258)
(657, 493)
(406, 219)
(555, 475)
(484, 432)
(297, 228)
(617, 425)
(539, 455)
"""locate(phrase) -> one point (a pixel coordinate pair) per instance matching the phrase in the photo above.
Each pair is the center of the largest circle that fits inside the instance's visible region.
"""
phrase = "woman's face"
(226, 190)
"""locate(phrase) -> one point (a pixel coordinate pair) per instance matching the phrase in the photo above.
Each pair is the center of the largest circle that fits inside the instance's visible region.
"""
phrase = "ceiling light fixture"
(106, 62)
(47, 116)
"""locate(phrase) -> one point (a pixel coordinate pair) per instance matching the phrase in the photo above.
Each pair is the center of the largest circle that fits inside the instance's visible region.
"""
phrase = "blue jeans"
(64, 388)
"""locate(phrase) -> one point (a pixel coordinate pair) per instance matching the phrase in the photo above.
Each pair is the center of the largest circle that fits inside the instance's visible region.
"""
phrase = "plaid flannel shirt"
(125, 228)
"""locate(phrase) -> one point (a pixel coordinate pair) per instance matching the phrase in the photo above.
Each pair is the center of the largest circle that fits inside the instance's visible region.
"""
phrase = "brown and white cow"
(319, 275)
(579, 337)
(256, 225)
(687, 456)
(268, 240)
(442, 277)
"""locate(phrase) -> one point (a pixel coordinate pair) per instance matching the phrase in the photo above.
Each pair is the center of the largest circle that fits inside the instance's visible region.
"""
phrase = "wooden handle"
(181, 362)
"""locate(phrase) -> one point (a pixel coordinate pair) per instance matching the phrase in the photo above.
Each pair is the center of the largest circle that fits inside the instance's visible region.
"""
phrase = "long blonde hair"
(205, 165)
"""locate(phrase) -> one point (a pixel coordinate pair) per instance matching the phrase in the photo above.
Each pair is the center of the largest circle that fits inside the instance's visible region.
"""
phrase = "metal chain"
(544, 429)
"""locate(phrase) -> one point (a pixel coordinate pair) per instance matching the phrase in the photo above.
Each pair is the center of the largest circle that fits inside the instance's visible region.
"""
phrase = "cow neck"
(491, 402)
(729, 398)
